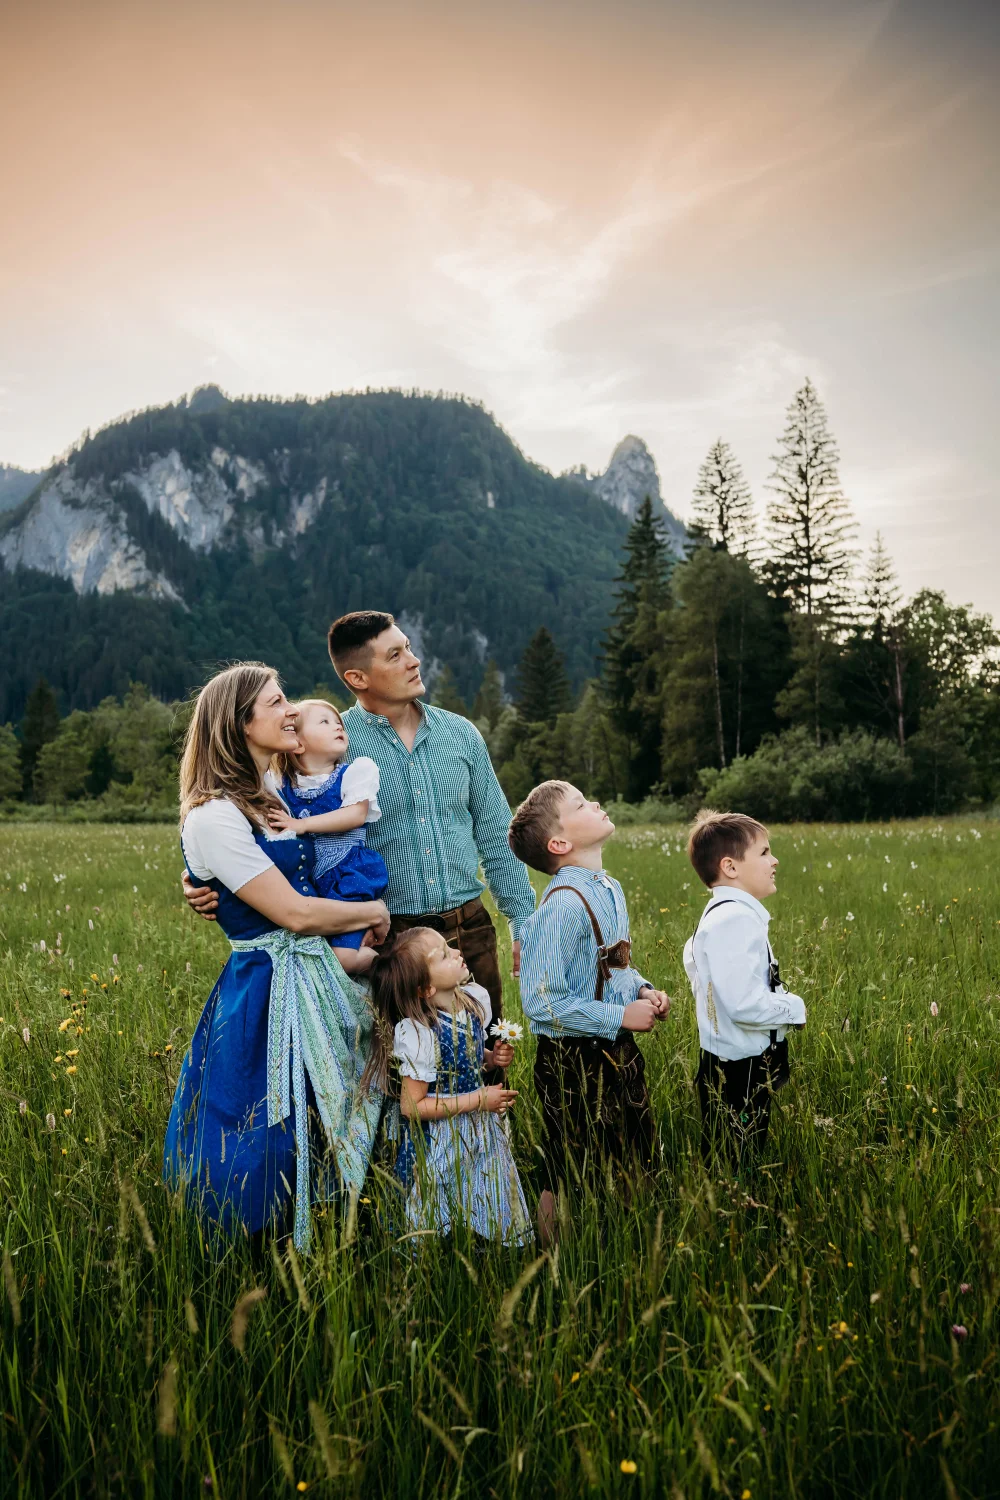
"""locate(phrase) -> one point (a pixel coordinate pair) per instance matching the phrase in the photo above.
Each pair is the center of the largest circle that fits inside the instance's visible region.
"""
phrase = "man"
(443, 810)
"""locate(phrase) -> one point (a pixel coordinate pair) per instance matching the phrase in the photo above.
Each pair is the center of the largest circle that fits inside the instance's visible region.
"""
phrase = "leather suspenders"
(618, 956)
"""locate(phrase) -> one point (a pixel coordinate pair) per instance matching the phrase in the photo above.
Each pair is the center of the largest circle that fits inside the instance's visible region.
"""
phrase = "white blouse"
(414, 1045)
(218, 844)
(359, 784)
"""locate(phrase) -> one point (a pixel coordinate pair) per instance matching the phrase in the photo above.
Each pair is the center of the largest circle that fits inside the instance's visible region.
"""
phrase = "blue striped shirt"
(443, 811)
(559, 959)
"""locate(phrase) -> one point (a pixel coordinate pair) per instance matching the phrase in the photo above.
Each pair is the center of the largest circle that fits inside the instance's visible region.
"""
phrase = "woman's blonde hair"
(287, 765)
(217, 761)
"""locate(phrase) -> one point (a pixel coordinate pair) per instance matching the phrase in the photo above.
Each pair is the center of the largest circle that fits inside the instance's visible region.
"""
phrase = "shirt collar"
(733, 893)
(579, 875)
(384, 722)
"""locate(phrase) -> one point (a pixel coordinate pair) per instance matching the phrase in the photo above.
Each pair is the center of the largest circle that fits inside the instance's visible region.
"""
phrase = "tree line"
(771, 669)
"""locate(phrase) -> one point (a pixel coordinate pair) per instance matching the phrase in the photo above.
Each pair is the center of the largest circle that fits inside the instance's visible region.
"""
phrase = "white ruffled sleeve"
(414, 1050)
(360, 784)
(218, 844)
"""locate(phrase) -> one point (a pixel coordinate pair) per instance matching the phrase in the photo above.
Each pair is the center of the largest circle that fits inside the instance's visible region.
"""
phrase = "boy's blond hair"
(286, 765)
(535, 822)
(715, 836)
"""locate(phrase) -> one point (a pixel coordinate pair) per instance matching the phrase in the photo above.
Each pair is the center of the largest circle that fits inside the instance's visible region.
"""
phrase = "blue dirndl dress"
(462, 1168)
(344, 868)
(284, 1035)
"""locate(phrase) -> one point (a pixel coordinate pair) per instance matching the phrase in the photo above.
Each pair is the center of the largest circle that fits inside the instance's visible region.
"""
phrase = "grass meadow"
(826, 1328)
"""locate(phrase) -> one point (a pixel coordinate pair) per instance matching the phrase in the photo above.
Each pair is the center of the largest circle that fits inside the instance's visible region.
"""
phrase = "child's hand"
(660, 999)
(501, 1056)
(279, 819)
(641, 1014)
(496, 1100)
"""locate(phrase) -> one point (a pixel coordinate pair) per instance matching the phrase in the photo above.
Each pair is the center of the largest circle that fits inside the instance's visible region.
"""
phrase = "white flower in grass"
(884, 886)
(850, 916)
(934, 1007)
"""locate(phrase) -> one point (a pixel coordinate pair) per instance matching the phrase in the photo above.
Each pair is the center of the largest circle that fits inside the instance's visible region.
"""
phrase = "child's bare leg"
(546, 1219)
(355, 960)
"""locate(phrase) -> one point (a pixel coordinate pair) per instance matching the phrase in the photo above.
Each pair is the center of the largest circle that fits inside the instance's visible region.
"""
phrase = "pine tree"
(10, 764)
(446, 694)
(723, 506)
(39, 725)
(490, 702)
(880, 593)
(543, 687)
(633, 649)
(810, 524)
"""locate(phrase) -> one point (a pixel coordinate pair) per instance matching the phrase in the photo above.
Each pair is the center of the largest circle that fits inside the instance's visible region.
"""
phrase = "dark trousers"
(735, 1100)
(470, 929)
(595, 1107)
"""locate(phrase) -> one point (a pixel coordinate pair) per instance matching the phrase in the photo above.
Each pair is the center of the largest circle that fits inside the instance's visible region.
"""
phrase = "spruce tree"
(542, 685)
(633, 649)
(880, 592)
(490, 702)
(446, 694)
(39, 725)
(810, 524)
(10, 764)
(723, 506)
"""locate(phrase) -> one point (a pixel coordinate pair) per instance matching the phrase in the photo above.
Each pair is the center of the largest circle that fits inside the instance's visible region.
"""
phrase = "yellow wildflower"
(628, 1466)
(72, 1069)
(67, 1111)
(65, 1025)
(74, 1053)
(574, 1377)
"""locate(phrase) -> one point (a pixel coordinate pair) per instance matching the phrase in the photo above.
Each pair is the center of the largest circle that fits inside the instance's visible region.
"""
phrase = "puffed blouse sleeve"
(482, 999)
(218, 844)
(414, 1050)
(360, 784)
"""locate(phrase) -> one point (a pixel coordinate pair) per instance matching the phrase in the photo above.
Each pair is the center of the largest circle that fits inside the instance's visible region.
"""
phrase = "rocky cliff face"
(629, 478)
(15, 485)
(81, 530)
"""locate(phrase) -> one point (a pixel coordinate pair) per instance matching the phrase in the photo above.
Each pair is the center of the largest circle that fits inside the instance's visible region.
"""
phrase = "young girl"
(333, 800)
(454, 1159)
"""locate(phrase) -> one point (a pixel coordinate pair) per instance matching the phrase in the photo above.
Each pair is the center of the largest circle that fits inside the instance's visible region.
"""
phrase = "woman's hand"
(496, 1100)
(379, 924)
(501, 1056)
(280, 820)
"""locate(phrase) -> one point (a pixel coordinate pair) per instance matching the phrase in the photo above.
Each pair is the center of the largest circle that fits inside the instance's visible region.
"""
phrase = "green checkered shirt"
(443, 812)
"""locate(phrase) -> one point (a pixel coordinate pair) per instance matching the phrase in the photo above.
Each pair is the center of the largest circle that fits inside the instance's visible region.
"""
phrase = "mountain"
(15, 486)
(629, 478)
(215, 529)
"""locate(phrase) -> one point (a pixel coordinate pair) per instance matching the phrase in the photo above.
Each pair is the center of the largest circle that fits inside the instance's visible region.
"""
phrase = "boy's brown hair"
(715, 836)
(535, 822)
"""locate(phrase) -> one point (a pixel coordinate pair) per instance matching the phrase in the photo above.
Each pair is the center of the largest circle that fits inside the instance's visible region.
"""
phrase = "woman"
(284, 1035)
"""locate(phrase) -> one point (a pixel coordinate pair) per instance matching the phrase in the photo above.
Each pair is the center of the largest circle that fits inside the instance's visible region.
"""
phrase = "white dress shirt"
(727, 963)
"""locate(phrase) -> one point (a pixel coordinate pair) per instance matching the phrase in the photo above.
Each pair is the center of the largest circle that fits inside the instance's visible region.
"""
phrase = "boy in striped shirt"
(583, 999)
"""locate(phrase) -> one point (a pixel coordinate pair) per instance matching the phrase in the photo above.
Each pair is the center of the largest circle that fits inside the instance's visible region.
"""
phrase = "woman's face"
(271, 726)
(446, 967)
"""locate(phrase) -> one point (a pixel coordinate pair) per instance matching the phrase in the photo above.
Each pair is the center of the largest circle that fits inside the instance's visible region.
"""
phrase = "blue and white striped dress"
(460, 1168)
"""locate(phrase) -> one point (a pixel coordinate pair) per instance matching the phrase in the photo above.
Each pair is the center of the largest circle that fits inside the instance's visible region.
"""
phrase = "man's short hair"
(349, 638)
(535, 822)
(715, 836)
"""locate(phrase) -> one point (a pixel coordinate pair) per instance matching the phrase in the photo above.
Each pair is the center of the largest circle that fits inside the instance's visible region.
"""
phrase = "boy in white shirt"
(743, 1009)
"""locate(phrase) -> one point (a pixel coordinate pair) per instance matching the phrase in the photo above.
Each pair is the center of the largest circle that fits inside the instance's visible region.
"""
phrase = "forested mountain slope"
(215, 529)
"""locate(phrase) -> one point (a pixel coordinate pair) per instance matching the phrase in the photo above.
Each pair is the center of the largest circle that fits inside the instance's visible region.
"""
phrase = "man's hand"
(660, 999)
(516, 956)
(201, 898)
(641, 1014)
(280, 820)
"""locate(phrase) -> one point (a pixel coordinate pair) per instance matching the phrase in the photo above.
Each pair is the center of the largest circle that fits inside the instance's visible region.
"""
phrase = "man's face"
(582, 823)
(393, 674)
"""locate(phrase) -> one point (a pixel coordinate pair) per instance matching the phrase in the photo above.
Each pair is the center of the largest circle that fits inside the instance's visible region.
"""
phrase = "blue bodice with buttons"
(293, 857)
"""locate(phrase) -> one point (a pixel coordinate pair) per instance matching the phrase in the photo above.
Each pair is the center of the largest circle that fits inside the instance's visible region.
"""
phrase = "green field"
(688, 1344)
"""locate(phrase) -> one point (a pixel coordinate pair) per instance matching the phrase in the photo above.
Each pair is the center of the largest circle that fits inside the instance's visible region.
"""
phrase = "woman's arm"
(415, 1103)
(278, 900)
(340, 821)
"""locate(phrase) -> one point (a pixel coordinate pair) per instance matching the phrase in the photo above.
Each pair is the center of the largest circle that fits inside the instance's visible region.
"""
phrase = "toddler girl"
(333, 800)
(454, 1160)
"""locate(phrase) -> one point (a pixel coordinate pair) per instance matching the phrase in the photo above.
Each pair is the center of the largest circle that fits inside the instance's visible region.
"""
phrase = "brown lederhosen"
(595, 1104)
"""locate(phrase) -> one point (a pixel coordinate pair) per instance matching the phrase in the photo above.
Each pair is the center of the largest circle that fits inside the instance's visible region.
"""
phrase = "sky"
(596, 218)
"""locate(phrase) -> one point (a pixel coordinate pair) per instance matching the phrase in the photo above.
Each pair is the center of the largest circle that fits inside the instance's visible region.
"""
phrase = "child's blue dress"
(268, 1106)
(460, 1168)
(344, 868)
